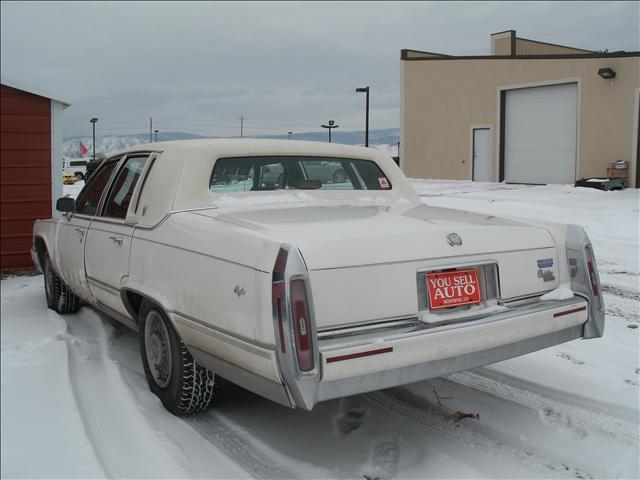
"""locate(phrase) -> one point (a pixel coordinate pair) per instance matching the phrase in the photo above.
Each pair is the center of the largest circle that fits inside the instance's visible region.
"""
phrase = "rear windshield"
(245, 174)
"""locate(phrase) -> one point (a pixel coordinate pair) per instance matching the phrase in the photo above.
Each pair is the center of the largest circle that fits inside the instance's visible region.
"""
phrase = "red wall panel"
(25, 172)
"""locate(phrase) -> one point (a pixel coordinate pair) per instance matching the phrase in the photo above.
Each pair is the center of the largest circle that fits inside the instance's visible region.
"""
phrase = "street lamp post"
(331, 126)
(366, 134)
(156, 135)
(93, 124)
(290, 133)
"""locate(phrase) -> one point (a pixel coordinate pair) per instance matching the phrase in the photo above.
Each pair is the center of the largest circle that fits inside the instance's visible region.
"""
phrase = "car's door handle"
(80, 231)
(116, 239)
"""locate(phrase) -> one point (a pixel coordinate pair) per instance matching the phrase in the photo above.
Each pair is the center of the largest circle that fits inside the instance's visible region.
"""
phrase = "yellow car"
(68, 178)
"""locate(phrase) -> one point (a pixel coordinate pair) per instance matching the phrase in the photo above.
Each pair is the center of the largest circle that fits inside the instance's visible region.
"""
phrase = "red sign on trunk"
(451, 289)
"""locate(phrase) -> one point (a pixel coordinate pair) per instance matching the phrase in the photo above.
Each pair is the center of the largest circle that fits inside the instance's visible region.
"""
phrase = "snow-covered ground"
(75, 401)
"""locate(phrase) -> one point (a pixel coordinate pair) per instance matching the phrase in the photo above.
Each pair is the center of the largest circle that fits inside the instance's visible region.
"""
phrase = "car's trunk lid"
(337, 236)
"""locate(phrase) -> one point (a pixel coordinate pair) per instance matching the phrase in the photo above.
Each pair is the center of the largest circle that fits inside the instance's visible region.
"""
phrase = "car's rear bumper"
(370, 358)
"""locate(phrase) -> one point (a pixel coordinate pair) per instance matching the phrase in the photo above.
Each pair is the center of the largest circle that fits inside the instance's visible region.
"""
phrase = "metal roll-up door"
(541, 134)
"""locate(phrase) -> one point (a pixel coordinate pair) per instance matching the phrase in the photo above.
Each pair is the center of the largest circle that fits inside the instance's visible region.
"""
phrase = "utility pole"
(242, 119)
(93, 123)
(331, 126)
(366, 134)
(150, 130)
(156, 132)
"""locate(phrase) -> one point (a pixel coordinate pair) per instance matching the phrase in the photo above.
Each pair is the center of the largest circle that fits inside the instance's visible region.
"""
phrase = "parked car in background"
(306, 289)
(77, 166)
(68, 178)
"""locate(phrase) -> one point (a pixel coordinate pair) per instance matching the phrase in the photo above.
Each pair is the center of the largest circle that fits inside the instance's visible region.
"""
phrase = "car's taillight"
(593, 277)
(301, 325)
(277, 294)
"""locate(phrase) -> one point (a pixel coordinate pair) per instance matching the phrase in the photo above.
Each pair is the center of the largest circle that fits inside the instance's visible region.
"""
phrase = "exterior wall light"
(607, 73)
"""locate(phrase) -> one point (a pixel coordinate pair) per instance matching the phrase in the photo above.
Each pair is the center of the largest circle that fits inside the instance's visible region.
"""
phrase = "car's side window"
(87, 202)
(117, 202)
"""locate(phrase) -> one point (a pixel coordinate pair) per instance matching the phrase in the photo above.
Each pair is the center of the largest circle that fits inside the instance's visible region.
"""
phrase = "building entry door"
(481, 154)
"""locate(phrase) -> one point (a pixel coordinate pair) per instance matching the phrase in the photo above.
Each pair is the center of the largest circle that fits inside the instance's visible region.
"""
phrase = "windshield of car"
(244, 174)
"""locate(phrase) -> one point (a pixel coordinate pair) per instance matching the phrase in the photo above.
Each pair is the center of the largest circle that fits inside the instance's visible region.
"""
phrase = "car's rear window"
(245, 174)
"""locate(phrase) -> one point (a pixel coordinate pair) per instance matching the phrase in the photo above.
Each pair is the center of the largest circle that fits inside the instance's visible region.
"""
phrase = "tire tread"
(195, 387)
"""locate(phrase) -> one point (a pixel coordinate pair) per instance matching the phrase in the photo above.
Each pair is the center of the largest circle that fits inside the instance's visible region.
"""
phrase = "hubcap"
(158, 349)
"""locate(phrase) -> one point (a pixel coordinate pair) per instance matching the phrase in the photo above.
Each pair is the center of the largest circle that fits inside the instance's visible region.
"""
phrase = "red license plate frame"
(453, 288)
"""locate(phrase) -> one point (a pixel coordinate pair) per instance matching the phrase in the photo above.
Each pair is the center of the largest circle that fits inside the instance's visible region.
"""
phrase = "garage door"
(540, 134)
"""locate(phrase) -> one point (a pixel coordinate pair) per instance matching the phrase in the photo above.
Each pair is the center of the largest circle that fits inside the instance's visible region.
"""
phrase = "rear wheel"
(59, 297)
(183, 386)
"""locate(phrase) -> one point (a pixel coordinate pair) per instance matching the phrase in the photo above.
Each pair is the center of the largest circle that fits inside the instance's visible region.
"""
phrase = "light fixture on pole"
(331, 126)
(156, 135)
(366, 131)
(93, 124)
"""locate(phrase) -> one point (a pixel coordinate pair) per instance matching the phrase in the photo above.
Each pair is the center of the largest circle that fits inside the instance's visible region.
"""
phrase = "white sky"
(196, 67)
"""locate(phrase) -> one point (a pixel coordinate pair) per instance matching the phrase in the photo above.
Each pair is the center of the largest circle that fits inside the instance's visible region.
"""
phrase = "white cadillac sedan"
(305, 271)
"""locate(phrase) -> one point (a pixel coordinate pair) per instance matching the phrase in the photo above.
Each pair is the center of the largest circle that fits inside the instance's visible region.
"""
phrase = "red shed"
(30, 167)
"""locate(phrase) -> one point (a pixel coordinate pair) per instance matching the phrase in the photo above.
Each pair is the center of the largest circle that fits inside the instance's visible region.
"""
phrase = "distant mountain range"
(386, 139)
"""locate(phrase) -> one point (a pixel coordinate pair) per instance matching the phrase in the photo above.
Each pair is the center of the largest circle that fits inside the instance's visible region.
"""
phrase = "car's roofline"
(255, 146)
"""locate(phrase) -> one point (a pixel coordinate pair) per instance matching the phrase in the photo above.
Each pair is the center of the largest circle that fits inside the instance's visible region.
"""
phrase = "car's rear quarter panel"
(209, 278)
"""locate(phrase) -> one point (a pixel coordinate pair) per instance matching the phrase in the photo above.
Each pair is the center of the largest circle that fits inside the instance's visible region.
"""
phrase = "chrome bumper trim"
(356, 336)
(438, 368)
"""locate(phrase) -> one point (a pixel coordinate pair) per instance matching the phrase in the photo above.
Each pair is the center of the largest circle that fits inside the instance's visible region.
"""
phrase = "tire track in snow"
(417, 409)
(212, 428)
(620, 292)
(567, 410)
(239, 447)
(111, 419)
(85, 416)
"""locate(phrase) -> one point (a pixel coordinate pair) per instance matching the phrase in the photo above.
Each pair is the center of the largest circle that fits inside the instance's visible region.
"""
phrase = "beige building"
(531, 112)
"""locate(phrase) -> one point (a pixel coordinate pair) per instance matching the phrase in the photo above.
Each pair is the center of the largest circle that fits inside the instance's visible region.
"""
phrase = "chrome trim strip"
(201, 253)
(93, 229)
(414, 327)
(434, 258)
(358, 329)
(444, 266)
(104, 286)
(110, 312)
(225, 335)
(111, 221)
(167, 215)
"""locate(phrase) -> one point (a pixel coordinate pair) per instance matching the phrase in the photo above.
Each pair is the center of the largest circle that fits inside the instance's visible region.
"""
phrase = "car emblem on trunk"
(454, 240)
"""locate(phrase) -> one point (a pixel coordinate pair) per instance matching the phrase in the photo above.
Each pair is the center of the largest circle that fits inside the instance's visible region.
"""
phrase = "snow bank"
(252, 201)
(563, 292)
(473, 311)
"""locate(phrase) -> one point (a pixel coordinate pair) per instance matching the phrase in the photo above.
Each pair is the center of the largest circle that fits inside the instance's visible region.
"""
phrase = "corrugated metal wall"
(25, 172)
